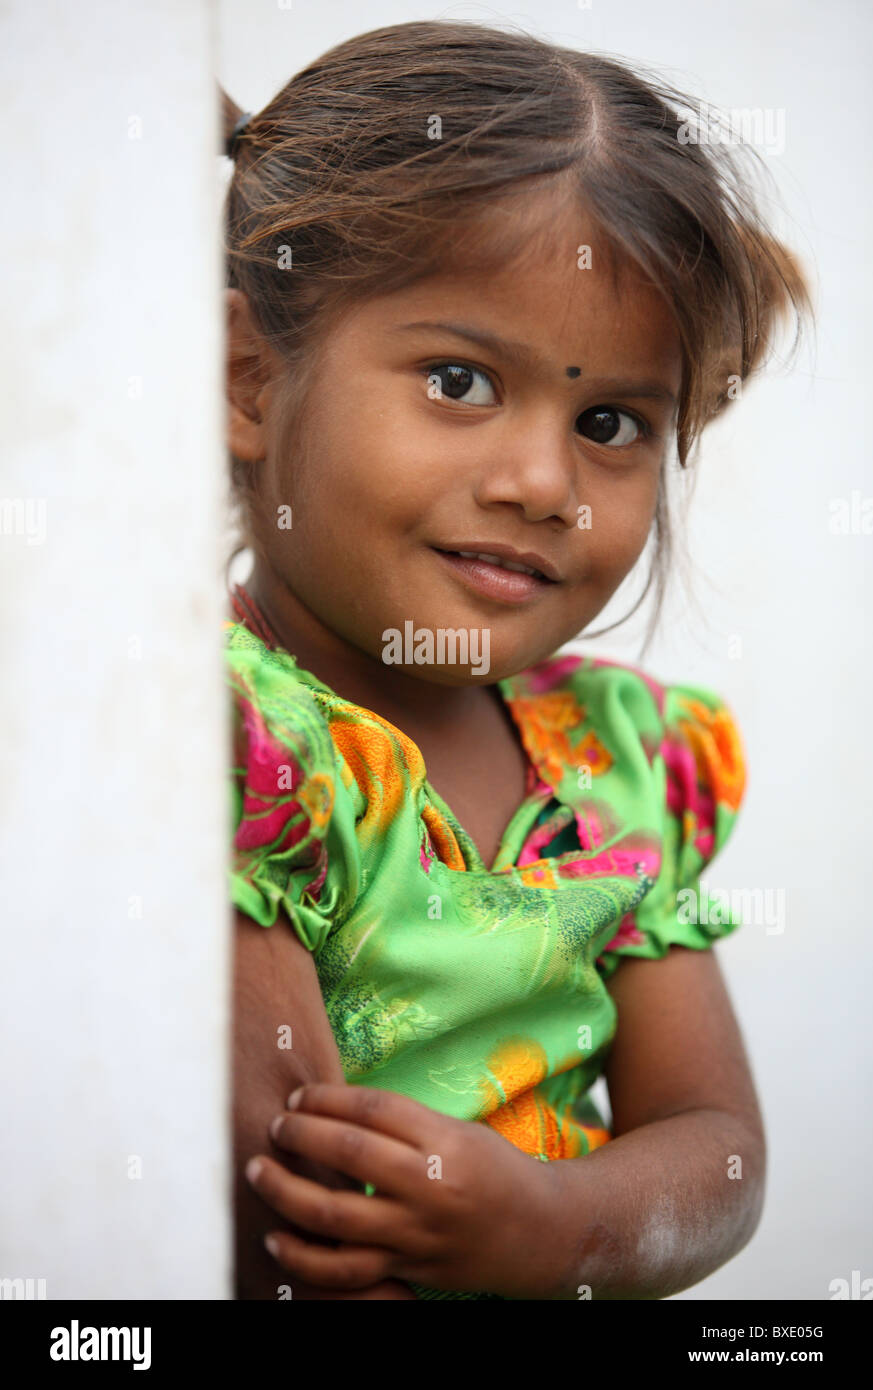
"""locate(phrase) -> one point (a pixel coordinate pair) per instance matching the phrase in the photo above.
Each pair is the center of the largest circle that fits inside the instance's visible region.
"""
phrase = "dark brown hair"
(342, 170)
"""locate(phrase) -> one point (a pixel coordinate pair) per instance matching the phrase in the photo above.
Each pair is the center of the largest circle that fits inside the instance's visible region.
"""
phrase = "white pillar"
(114, 814)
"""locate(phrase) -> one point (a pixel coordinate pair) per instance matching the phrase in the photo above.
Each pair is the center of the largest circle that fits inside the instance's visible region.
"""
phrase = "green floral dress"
(481, 992)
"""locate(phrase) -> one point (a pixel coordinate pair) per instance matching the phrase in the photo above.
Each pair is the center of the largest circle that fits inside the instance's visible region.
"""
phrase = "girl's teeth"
(496, 560)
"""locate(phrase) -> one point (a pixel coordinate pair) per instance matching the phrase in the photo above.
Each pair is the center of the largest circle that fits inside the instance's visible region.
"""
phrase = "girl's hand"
(456, 1206)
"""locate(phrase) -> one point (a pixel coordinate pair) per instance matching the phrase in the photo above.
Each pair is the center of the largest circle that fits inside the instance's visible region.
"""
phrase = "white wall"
(113, 1025)
(767, 570)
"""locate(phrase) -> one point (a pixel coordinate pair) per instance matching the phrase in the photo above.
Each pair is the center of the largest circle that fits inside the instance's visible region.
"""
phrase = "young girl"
(478, 288)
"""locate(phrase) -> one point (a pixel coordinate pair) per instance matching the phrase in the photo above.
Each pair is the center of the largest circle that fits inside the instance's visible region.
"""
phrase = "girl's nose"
(536, 470)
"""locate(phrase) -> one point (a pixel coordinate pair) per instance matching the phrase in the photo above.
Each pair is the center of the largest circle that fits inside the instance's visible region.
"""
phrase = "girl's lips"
(510, 586)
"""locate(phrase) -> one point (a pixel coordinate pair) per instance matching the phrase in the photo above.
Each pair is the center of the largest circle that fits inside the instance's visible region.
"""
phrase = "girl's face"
(526, 411)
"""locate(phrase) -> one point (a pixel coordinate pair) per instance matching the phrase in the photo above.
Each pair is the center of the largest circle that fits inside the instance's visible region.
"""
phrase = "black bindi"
(572, 371)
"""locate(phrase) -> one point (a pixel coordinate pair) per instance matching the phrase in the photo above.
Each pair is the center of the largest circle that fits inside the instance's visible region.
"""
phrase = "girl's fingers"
(349, 1267)
(338, 1215)
(385, 1111)
(394, 1169)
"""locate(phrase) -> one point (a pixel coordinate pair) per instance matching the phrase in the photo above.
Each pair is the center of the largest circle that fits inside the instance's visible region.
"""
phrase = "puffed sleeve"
(699, 776)
(288, 840)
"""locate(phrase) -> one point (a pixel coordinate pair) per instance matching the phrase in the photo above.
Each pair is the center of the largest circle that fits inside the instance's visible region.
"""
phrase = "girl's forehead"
(550, 300)
(567, 257)
(539, 226)
(543, 274)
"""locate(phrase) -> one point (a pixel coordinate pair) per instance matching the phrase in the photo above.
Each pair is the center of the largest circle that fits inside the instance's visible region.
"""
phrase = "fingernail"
(294, 1099)
(272, 1244)
(276, 1125)
(253, 1169)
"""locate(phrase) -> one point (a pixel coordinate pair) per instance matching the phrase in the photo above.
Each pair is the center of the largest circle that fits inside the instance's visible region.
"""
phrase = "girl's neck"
(355, 675)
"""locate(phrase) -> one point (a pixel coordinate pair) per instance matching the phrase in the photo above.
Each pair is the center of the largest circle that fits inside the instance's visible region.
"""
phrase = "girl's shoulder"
(656, 773)
(277, 705)
(596, 709)
(583, 676)
(287, 795)
(272, 691)
(245, 651)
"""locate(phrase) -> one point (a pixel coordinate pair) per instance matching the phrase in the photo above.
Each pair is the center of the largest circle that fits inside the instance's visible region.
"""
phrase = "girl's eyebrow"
(526, 357)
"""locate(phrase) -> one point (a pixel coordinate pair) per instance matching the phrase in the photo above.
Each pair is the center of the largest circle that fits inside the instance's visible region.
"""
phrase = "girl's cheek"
(625, 529)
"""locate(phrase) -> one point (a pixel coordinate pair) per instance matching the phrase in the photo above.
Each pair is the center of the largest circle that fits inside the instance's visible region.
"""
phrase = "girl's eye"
(604, 424)
(453, 380)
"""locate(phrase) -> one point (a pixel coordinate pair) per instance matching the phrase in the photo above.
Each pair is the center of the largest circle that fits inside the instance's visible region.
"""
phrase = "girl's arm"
(276, 986)
(679, 1189)
(674, 1195)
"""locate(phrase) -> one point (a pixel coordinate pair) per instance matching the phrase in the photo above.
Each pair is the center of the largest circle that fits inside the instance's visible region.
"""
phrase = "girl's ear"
(249, 370)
